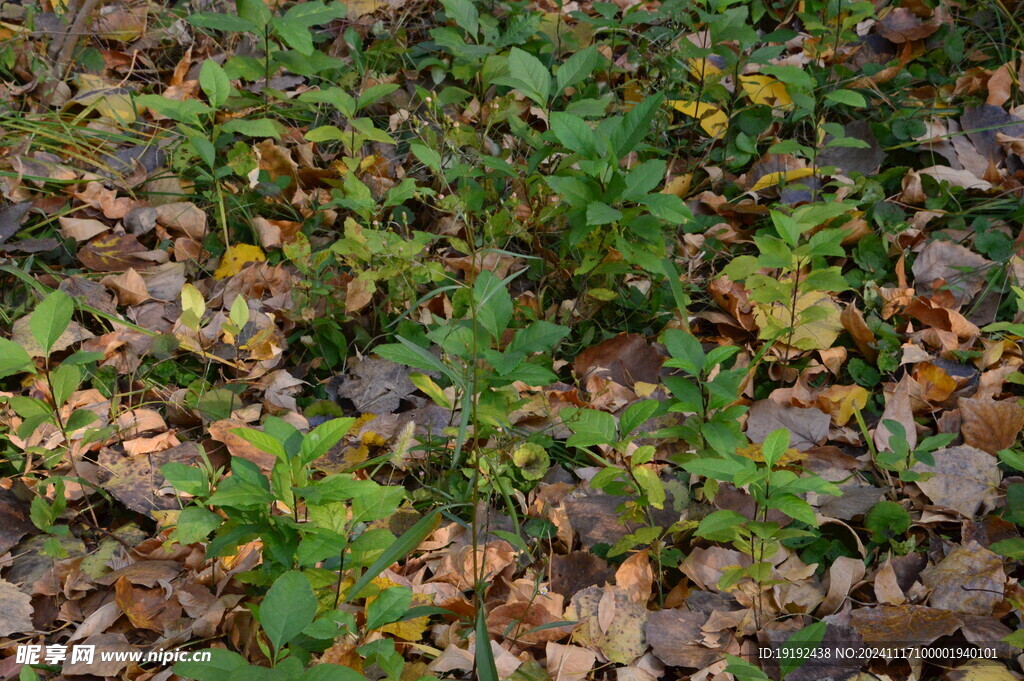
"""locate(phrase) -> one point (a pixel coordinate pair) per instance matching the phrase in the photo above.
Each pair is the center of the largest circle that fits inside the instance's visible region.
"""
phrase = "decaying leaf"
(968, 581)
(15, 610)
(619, 636)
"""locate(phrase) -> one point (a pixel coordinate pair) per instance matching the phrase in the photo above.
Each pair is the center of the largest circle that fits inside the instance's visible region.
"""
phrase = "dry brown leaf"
(884, 624)
(625, 359)
(808, 427)
(129, 287)
(636, 577)
(81, 229)
(184, 217)
(902, 26)
(990, 425)
(15, 610)
(963, 479)
(863, 337)
(517, 621)
(843, 575)
(959, 268)
(146, 608)
(968, 581)
(569, 663)
(675, 638)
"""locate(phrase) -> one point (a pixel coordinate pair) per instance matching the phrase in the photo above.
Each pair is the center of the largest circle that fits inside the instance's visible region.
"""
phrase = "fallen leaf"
(808, 427)
(129, 287)
(968, 581)
(901, 26)
(15, 610)
(81, 229)
(841, 401)
(675, 638)
(981, 670)
(884, 624)
(569, 663)
(713, 120)
(236, 257)
(990, 425)
(625, 359)
(963, 479)
(375, 386)
(622, 639)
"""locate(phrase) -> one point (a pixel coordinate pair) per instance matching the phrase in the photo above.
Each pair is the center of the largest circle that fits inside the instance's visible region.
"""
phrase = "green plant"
(772, 486)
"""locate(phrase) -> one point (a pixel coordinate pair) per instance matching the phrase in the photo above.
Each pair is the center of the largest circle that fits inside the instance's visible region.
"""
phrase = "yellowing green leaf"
(815, 323)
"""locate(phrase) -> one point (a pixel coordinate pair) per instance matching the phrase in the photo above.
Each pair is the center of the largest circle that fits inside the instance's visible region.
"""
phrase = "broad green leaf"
(795, 507)
(530, 74)
(320, 440)
(13, 358)
(255, 12)
(289, 607)
(388, 607)
(540, 336)
(464, 14)
(573, 132)
(644, 178)
(183, 111)
(774, 446)
(799, 647)
(634, 125)
(195, 524)
(600, 213)
(578, 67)
(215, 83)
(221, 22)
(847, 97)
(263, 441)
(493, 303)
(426, 155)
(720, 525)
(51, 319)
(223, 664)
(254, 127)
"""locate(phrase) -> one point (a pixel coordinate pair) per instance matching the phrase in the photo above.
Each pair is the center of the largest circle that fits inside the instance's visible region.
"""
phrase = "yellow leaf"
(679, 185)
(765, 90)
(841, 401)
(712, 119)
(781, 177)
(236, 257)
(702, 68)
(106, 97)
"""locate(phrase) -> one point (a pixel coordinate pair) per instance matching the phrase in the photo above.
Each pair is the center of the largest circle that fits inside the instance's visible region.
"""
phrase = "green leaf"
(398, 550)
(799, 647)
(774, 446)
(183, 111)
(426, 155)
(530, 74)
(643, 178)
(408, 353)
(493, 303)
(589, 427)
(600, 213)
(215, 83)
(886, 520)
(187, 479)
(743, 670)
(847, 97)
(717, 469)
(388, 607)
(255, 12)
(65, 380)
(651, 485)
(264, 442)
(573, 132)
(634, 125)
(720, 525)
(195, 524)
(794, 507)
(667, 207)
(1011, 548)
(486, 669)
(295, 34)
(13, 358)
(288, 608)
(331, 672)
(228, 23)
(578, 67)
(320, 440)
(223, 664)
(51, 319)
(464, 14)
(636, 415)
(254, 127)
(540, 336)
